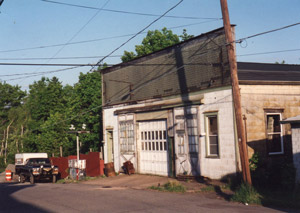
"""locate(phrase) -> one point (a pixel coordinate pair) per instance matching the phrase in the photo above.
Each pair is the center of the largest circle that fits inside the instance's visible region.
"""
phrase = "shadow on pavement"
(9, 204)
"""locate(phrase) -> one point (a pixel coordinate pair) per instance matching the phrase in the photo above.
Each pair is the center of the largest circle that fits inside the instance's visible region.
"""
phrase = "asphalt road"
(47, 197)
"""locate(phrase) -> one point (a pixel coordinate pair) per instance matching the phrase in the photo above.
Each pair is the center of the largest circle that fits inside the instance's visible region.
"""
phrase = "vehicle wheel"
(21, 178)
(31, 179)
(54, 179)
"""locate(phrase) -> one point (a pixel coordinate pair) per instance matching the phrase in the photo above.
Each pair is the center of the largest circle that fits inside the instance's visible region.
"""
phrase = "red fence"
(94, 166)
(62, 164)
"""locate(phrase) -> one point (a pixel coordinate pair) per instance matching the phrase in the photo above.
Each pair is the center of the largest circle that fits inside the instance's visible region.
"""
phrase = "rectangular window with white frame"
(274, 133)
(126, 129)
(212, 134)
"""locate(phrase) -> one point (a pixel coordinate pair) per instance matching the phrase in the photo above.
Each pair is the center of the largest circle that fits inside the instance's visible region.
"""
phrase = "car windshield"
(38, 161)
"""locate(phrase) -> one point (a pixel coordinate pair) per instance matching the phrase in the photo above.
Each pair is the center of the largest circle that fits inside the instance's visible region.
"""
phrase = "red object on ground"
(101, 167)
(94, 166)
(62, 164)
(8, 175)
(92, 163)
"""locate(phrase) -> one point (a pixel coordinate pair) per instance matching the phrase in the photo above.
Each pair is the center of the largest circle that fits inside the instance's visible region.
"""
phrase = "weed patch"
(170, 186)
(246, 194)
(208, 189)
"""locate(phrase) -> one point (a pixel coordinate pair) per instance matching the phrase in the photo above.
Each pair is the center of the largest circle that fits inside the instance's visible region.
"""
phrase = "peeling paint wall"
(256, 99)
(226, 164)
(217, 100)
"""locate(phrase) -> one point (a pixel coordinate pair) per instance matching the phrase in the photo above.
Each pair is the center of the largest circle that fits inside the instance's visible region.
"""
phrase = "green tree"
(54, 135)
(45, 96)
(154, 41)
(87, 109)
(11, 96)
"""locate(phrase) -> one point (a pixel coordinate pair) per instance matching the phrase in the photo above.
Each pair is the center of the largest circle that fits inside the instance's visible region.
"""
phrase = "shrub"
(246, 194)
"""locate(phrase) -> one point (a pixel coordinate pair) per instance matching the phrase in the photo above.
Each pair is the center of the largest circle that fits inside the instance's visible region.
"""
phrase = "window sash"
(126, 136)
(275, 145)
(212, 134)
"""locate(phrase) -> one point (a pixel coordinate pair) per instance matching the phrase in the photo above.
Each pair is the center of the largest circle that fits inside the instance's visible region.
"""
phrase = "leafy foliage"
(11, 96)
(273, 174)
(154, 41)
(246, 194)
(87, 103)
(39, 121)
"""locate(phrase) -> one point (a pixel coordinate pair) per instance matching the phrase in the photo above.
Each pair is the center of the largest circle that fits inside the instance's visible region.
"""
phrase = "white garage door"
(154, 154)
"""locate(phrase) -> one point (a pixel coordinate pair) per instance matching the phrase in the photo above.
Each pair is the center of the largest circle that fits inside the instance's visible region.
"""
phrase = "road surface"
(48, 197)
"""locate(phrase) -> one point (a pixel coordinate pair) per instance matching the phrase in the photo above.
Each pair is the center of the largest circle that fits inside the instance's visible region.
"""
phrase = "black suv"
(37, 169)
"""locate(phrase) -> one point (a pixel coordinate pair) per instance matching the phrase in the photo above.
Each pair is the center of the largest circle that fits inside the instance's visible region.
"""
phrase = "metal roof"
(268, 72)
(295, 119)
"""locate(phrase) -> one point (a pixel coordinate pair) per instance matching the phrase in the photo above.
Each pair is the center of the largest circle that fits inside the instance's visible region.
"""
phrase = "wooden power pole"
(236, 93)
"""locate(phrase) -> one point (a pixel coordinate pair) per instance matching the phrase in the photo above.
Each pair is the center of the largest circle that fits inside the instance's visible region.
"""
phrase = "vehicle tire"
(31, 179)
(54, 179)
(21, 178)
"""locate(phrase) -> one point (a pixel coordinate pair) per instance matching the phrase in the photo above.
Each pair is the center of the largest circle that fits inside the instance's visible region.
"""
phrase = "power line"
(82, 28)
(34, 74)
(101, 60)
(90, 65)
(127, 12)
(56, 58)
(271, 52)
(266, 32)
(95, 40)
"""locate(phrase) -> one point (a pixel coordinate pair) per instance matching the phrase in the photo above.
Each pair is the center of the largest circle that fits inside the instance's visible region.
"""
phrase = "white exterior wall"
(216, 168)
(111, 120)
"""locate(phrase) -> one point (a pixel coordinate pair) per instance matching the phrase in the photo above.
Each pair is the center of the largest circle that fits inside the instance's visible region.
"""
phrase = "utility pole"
(236, 93)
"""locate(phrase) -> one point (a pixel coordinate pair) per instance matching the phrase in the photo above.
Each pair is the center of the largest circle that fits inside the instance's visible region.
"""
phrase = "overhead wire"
(266, 32)
(102, 59)
(57, 52)
(80, 30)
(56, 58)
(94, 40)
(270, 52)
(109, 55)
(237, 41)
(127, 12)
(34, 74)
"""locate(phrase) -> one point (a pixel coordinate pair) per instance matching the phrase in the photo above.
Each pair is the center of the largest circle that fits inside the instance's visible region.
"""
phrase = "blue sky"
(35, 23)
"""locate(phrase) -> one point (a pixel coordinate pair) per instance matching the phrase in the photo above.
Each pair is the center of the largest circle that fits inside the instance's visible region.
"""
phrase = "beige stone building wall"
(256, 99)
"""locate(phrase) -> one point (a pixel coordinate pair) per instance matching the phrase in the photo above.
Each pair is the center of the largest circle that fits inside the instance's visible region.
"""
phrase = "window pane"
(213, 125)
(273, 123)
(213, 145)
(274, 143)
(213, 140)
(214, 150)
